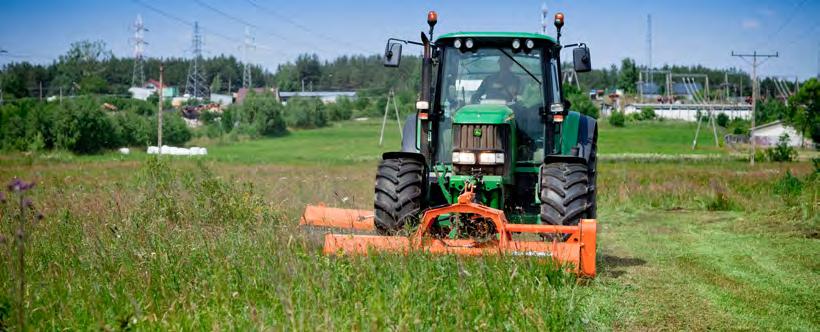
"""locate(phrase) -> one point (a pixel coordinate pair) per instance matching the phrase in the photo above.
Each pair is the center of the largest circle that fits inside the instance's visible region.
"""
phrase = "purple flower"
(18, 185)
(15, 184)
(2, 197)
(28, 203)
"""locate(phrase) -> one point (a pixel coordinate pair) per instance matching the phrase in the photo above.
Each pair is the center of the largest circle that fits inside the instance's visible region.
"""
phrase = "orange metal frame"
(578, 250)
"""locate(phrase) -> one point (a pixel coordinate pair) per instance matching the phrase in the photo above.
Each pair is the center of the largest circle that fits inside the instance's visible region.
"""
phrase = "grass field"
(212, 243)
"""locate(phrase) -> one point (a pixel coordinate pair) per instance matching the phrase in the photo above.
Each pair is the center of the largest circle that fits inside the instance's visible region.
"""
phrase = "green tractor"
(492, 117)
(492, 153)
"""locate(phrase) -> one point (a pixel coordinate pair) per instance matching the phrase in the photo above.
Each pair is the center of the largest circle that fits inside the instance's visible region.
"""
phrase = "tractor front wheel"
(398, 194)
(565, 193)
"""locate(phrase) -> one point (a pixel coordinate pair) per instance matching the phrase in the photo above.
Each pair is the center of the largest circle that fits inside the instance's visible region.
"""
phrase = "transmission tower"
(195, 85)
(246, 67)
(138, 76)
(544, 21)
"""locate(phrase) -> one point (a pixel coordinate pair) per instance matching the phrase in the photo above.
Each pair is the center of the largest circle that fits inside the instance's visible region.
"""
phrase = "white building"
(769, 134)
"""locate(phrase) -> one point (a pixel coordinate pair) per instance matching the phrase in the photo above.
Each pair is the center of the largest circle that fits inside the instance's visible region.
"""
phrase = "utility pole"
(755, 87)
(159, 110)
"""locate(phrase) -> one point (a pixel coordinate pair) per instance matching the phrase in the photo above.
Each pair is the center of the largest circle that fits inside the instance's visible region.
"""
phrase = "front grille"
(493, 138)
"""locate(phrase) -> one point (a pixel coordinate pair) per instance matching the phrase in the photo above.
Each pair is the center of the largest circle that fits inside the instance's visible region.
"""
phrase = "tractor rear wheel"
(565, 193)
(398, 194)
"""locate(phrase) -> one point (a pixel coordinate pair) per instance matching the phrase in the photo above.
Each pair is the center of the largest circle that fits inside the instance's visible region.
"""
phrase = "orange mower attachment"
(578, 251)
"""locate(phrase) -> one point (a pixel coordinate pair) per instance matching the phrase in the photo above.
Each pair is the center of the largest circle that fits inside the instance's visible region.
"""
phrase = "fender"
(402, 154)
(578, 136)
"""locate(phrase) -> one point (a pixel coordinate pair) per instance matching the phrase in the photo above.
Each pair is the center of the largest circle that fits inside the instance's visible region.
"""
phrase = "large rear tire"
(565, 193)
(398, 194)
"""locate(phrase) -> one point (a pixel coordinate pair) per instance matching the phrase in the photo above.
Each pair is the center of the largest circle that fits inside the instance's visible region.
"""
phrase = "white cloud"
(750, 23)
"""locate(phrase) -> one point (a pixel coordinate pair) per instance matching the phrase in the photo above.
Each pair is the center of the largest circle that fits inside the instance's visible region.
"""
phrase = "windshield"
(495, 76)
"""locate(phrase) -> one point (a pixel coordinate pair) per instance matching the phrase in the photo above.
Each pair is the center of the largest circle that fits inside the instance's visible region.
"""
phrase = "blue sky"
(684, 32)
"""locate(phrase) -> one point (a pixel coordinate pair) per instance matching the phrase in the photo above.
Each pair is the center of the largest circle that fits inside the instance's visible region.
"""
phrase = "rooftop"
(525, 35)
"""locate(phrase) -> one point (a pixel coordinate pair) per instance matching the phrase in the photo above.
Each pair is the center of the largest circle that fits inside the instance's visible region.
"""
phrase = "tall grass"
(181, 247)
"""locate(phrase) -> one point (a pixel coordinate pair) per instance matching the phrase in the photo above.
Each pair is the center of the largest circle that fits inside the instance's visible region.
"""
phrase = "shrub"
(259, 115)
(788, 185)
(722, 120)
(647, 113)
(305, 113)
(133, 129)
(174, 129)
(783, 152)
(617, 119)
(83, 127)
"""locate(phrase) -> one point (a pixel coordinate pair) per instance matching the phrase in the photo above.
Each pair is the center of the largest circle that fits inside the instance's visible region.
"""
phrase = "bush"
(617, 119)
(259, 115)
(133, 129)
(341, 110)
(305, 113)
(647, 113)
(722, 120)
(174, 129)
(83, 127)
(782, 152)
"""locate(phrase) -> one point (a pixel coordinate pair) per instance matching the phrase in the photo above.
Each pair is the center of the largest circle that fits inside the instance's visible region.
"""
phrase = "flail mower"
(493, 161)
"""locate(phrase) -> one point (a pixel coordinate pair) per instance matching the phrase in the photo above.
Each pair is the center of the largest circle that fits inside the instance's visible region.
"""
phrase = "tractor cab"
(503, 79)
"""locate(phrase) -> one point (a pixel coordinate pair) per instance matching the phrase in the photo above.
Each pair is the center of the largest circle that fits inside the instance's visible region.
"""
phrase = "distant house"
(150, 88)
(326, 97)
(243, 93)
(769, 134)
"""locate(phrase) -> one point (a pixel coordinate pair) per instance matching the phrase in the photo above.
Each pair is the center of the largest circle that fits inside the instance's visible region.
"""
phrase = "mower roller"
(492, 153)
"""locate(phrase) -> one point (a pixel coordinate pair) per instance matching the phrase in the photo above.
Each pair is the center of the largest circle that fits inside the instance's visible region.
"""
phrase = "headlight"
(469, 43)
(457, 43)
(557, 108)
(490, 158)
(516, 44)
(464, 158)
(530, 43)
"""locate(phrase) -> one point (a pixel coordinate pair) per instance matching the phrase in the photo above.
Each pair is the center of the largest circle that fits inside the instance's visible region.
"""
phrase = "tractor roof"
(497, 35)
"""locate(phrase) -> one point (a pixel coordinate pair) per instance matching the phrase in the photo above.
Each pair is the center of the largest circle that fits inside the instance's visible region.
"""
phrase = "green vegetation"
(213, 244)
(85, 125)
(617, 119)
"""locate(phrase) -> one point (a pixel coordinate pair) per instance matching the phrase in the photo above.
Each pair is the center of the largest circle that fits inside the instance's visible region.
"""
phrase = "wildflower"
(15, 184)
(2, 197)
(28, 203)
(18, 185)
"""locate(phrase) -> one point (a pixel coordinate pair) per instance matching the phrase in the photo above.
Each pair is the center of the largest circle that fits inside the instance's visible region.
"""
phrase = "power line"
(191, 24)
(755, 87)
(303, 27)
(788, 20)
(246, 23)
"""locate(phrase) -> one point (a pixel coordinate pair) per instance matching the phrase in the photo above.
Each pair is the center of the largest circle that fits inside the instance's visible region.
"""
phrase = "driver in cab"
(503, 85)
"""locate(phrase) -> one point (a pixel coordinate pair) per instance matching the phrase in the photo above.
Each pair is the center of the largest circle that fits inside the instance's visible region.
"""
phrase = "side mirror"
(580, 59)
(392, 54)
